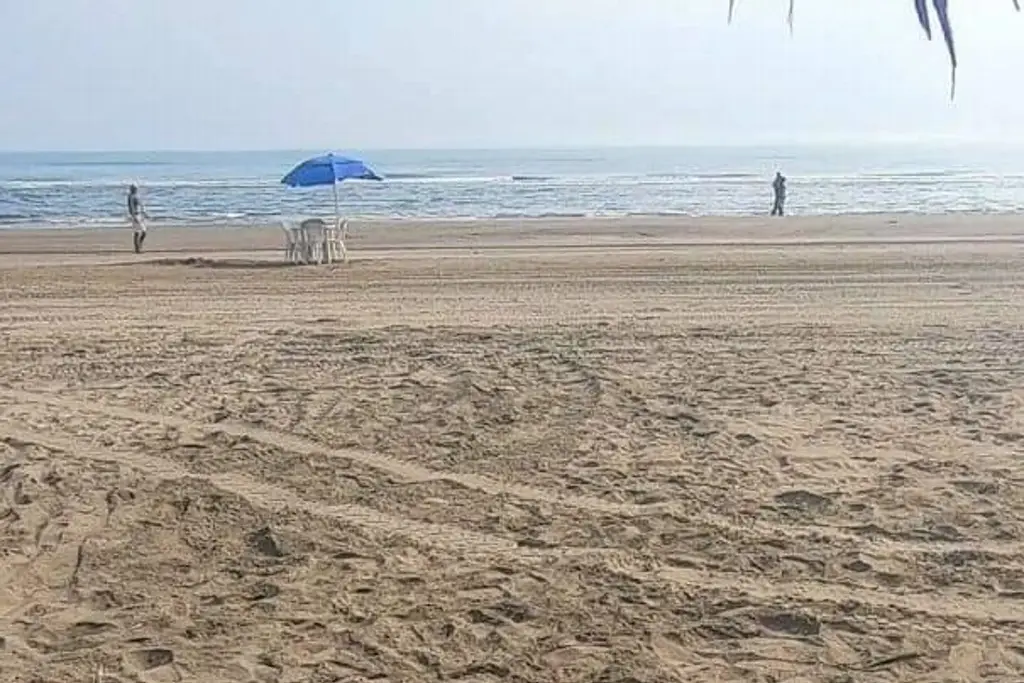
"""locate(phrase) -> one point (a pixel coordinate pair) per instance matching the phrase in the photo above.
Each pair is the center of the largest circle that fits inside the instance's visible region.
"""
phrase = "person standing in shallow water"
(779, 190)
(137, 214)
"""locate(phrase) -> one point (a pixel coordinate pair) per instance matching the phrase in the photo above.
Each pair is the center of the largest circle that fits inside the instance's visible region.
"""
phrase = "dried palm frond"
(941, 8)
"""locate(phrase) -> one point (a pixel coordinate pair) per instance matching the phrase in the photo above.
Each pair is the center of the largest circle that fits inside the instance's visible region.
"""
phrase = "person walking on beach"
(137, 214)
(779, 190)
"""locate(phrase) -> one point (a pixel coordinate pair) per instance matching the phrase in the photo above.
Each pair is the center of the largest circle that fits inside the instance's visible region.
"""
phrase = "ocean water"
(244, 187)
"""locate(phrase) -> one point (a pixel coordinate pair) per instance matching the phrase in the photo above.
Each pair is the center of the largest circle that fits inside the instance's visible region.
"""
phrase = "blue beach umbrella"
(328, 169)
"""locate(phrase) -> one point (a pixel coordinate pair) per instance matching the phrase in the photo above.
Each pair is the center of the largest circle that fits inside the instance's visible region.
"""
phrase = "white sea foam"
(213, 188)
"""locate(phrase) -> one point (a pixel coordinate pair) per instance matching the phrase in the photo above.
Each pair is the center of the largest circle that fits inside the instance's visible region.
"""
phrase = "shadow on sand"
(200, 262)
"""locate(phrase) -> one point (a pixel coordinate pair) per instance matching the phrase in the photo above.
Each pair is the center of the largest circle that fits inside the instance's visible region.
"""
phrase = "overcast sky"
(314, 74)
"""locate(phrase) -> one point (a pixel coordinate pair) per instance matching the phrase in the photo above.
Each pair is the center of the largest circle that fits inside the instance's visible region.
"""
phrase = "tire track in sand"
(967, 614)
(271, 497)
(412, 473)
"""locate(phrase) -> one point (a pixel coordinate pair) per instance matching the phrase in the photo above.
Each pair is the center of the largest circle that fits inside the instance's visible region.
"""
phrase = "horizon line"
(844, 142)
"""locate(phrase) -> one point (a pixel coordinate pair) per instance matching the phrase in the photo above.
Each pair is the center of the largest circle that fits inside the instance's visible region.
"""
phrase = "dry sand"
(724, 450)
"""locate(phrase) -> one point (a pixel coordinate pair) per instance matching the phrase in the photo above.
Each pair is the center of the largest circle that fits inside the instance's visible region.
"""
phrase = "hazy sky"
(317, 74)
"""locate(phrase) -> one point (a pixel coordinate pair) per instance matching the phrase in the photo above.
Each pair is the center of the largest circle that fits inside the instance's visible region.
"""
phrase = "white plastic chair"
(314, 232)
(293, 242)
(334, 240)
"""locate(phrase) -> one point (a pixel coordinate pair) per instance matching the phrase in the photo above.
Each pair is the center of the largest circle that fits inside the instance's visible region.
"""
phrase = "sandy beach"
(649, 449)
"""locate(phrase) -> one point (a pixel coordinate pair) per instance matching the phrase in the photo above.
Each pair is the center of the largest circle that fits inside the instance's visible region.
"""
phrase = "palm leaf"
(941, 8)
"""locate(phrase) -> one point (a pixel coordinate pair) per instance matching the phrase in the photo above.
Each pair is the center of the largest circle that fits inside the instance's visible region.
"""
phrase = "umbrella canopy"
(328, 170)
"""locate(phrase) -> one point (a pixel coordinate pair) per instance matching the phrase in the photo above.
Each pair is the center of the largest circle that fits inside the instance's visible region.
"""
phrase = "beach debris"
(889, 661)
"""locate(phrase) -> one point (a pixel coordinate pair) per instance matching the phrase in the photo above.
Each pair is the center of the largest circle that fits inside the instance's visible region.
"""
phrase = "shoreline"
(229, 223)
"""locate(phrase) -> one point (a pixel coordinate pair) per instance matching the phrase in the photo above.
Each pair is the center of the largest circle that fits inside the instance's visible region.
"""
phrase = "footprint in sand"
(804, 500)
(791, 623)
(148, 659)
